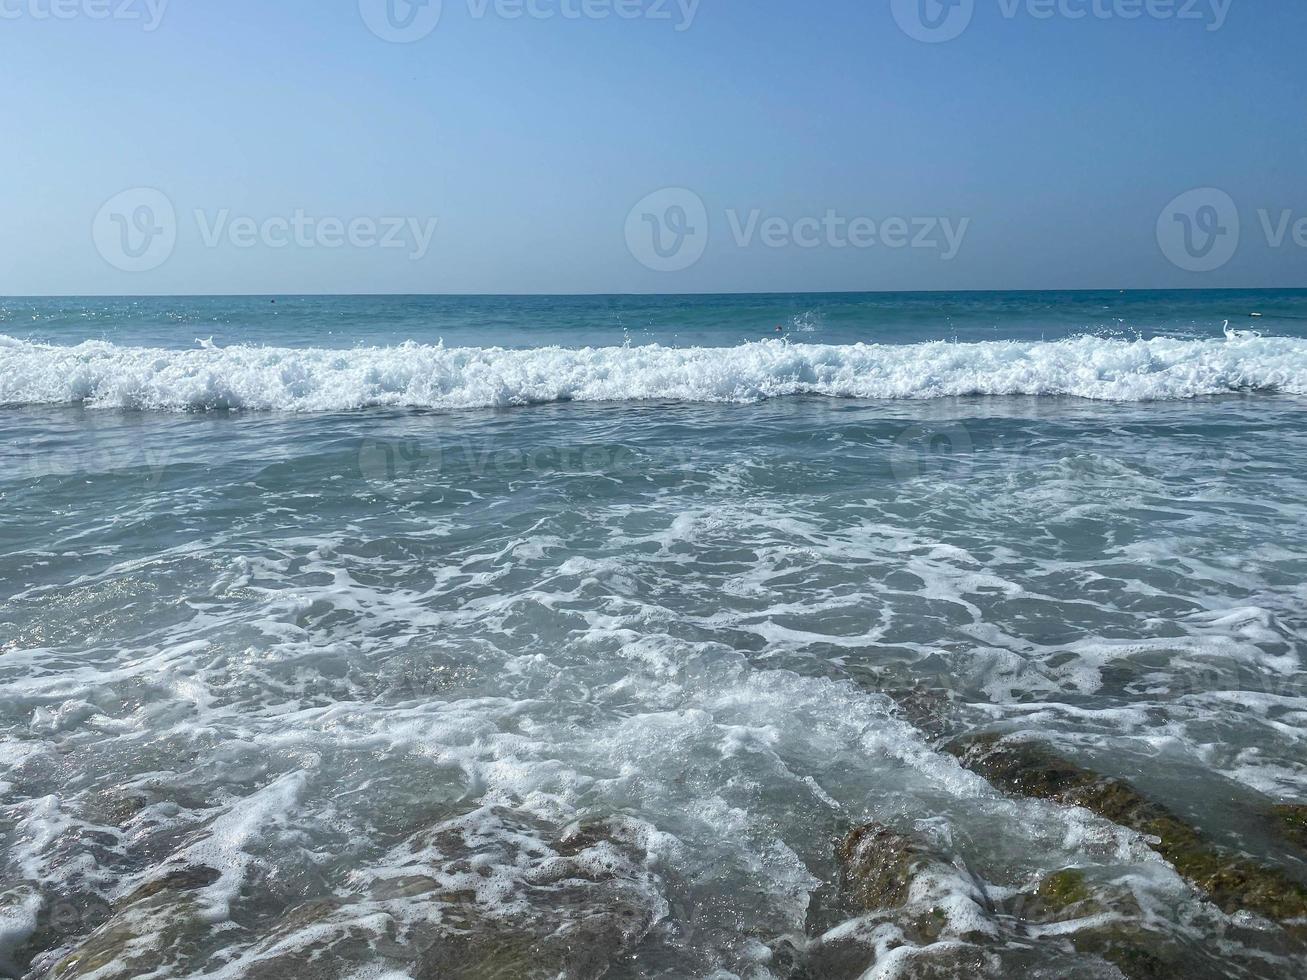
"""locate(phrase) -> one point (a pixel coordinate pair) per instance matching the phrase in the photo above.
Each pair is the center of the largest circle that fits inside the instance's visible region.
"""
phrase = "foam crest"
(101, 374)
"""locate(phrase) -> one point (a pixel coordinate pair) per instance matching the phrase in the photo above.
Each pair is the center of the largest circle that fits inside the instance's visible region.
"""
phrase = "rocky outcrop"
(1232, 882)
(920, 915)
(1066, 923)
(877, 867)
(145, 932)
(1291, 821)
(499, 897)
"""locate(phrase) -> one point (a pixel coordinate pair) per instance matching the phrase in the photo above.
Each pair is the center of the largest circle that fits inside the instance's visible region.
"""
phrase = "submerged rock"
(318, 940)
(882, 871)
(498, 896)
(788, 961)
(586, 901)
(1230, 881)
(926, 916)
(64, 916)
(1139, 953)
(185, 879)
(153, 929)
(1104, 921)
(921, 916)
(1062, 896)
(877, 866)
(925, 707)
(1291, 819)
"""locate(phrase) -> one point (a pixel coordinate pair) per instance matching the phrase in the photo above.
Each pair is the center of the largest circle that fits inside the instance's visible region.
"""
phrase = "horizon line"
(652, 295)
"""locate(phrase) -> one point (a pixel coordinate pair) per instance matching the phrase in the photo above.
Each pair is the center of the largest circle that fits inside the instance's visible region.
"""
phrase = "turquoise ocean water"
(428, 637)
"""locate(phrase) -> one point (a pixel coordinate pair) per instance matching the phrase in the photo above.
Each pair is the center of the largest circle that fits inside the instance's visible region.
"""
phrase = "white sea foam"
(102, 374)
(380, 727)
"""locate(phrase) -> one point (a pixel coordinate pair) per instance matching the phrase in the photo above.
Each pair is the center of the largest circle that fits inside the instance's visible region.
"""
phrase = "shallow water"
(625, 671)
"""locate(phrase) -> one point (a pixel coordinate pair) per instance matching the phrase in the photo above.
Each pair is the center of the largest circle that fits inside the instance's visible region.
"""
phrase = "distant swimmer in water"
(779, 328)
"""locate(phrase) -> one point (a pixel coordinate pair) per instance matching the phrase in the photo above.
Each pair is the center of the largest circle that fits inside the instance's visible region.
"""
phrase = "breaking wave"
(102, 374)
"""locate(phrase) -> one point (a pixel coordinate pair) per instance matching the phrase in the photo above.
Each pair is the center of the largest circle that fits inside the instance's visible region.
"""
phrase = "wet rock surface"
(1232, 882)
(450, 908)
(921, 915)
(499, 895)
(926, 915)
(157, 924)
(1291, 821)
(878, 866)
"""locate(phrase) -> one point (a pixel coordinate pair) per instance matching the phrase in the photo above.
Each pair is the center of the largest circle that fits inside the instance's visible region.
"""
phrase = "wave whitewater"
(102, 374)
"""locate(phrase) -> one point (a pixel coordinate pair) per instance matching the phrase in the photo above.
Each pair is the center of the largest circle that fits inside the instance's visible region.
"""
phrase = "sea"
(368, 638)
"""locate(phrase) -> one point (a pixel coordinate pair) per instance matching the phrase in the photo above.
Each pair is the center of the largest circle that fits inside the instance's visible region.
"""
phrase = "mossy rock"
(1068, 895)
(136, 942)
(838, 958)
(1060, 897)
(187, 879)
(491, 956)
(101, 937)
(595, 919)
(1030, 769)
(1064, 888)
(117, 808)
(1291, 820)
(930, 709)
(1139, 954)
(145, 930)
(1230, 881)
(850, 958)
(877, 867)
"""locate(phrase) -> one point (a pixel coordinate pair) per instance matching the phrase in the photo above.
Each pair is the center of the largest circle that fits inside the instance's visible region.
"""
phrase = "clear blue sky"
(529, 140)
